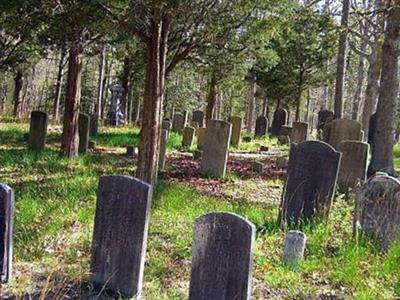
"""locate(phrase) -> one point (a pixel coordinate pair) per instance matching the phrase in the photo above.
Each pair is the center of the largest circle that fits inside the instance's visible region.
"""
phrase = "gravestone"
(344, 129)
(299, 132)
(188, 136)
(215, 148)
(198, 116)
(201, 136)
(163, 149)
(6, 232)
(94, 125)
(280, 119)
(84, 124)
(311, 179)
(37, 130)
(324, 116)
(286, 130)
(120, 234)
(353, 166)
(178, 123)
(295, 245)
(371, 131)
(115, 116)
(261, 126)
(236, 130)
(379, 207)
(222, 255)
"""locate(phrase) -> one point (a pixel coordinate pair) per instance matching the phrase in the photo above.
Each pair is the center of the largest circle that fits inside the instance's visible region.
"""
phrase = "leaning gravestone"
(353, 166)
(37, 130)
(236, 130)
(198, 116)
(163, 149)
(84, 127)
(120, 234)
(311, 179)
(379, 207)
(188, 136)
(344, 129)
(280, 119)
(178, 123)
(215, 149)
(261, 126)
(222, 254)
(299, 132)
(201, 136)
(6, 231)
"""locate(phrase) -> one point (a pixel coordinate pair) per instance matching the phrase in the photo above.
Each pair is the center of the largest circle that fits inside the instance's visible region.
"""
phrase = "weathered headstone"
(323, 117)
(280, 119)
(295, 244)
(198, 116)
(178, 123)
(115, 116)
(344, 129)
(353, 166)
(261, 126)
(120, 234)
(84, 124)
(37, 130)
(286, 130)
(6, 232)
(201, 136)
(299, 132)
(215, 148)
(222, 258)
(379, 206)
(311, 179)
(236, 130)
(188, 136)
(163, 149)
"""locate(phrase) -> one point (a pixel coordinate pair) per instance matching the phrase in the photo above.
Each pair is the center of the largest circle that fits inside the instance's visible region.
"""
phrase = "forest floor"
(55, 204)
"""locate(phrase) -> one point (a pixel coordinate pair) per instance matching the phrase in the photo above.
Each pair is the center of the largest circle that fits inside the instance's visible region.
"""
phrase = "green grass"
(55, 203)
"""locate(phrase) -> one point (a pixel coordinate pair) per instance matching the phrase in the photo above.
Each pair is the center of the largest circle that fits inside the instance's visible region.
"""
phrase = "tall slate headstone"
(280, 119)
(179, 122)
(201, 137)
(215, 148)
(311, 179)
(84, 127)
(222, 258)
(324, 116)
(344, 129)
(188, 136)
(198, 116)
(299, 132)
(37, 130)
(353, 166)
(163, 149)
(236, 130)
(6, 232)
(120, 234)
(261, 126)
(379, 207)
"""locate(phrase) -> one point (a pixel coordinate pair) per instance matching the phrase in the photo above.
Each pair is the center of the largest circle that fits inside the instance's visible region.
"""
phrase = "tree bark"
(382, 156)
(70, 138)
(19, 82)
(153, 98)
(211, 98)
(360, 81)
(126, 84)
(101, 83)
(341, 59)
(299, 94)
(265, 107)
(251, 106)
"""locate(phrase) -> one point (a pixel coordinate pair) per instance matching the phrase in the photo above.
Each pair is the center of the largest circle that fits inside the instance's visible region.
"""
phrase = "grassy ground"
(55, 202)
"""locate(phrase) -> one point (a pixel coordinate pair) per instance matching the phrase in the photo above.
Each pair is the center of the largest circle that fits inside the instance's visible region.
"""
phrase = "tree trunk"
(59, 82)
(70, 138)
(19, 82)
(341, 59)
(211, 98)
(153, 98)
(299, 94)
(265, 106)
(126, 84)
(251, 106)
(382, 156)
(360, 81)
(101, 83)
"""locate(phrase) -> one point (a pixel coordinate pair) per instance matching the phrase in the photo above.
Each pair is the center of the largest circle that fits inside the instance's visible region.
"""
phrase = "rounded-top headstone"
(299, 132)
(295, 245)
(344, 129)
(280, 119)
(198, 116)
(261, 126)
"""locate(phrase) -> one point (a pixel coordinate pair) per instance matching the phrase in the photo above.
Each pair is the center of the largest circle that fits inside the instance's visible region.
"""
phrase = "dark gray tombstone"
(353, 166)
(280, 119)
(295, 245)
(261, 126)
(188, 136)
(324, 116)
(379, 207)
(215, 148)
(163, 149)
(94, 125)
(222, 258)
(344, 129)
(84, 124)
(179, 122)
(6, 232)
(311, 179)
(120, 234)
(115, 116)
(198, 116)
(299, 132)
(236, 130)
(37, 130)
